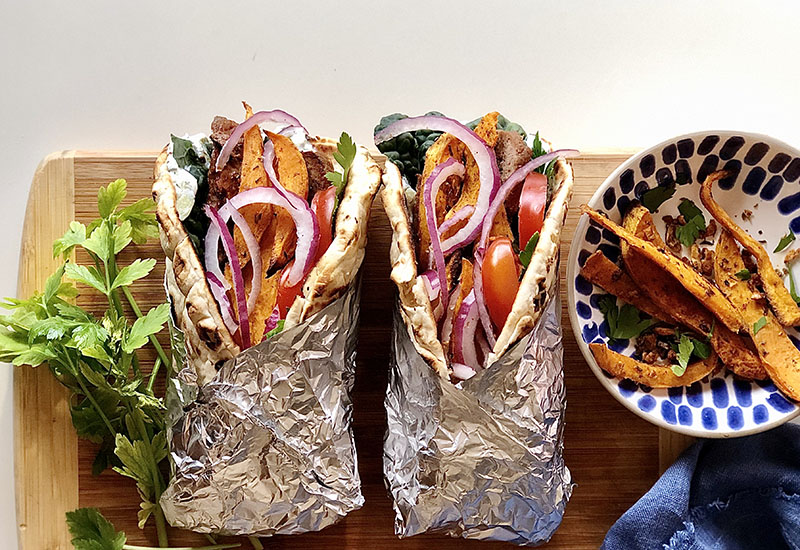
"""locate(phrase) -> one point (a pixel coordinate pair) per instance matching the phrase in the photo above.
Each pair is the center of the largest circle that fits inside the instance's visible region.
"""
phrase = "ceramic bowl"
(765, 188)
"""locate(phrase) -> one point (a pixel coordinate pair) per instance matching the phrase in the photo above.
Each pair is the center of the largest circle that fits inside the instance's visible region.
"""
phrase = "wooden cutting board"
(614, 455)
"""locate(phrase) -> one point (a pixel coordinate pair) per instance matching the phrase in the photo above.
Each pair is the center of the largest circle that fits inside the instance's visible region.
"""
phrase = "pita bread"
(197, 314)
(531, 298)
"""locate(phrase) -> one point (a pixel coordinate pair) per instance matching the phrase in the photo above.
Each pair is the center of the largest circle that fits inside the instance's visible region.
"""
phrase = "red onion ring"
(433, 288)
(466, 323)
(277, 116)
(305, 222)
(236, 269)
(272, 321)
(462, 371)
(484, 158)
(460, 215)
(218, 290)
(212, 247)
(439, 174)
(513, 180)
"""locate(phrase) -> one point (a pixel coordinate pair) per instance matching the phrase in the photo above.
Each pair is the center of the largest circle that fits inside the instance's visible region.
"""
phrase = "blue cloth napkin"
(739, 494)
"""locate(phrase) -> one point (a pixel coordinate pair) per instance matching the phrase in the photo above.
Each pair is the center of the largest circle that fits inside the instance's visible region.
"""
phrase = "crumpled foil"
(481, 459)
(266, 447)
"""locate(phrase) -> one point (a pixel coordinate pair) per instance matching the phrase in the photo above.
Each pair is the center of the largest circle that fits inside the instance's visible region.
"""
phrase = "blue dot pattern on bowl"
(761, 172)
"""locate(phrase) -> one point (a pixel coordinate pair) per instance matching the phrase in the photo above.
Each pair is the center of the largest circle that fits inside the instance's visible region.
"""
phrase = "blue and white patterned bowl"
(766, 183)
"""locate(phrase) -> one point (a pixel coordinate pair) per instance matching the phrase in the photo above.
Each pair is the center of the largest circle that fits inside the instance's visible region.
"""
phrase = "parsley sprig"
(345, 155)
(686, 348)
(113, 402)
(623, 322)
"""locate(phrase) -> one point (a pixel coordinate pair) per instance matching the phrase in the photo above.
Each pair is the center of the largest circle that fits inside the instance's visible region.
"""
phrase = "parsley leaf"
(695, 223)
(91, 531)
(278, 328)
(132, 272)
(785, 241)
(345, 155)
(685, 349)
(143, 327)
(99, 242)
(624, 322)
(655, 197)
(758, 325)
(527, 253)
(143, 221)
(86, 275)
(74, 236)
(702, 350)
(537, 150)
(109, 197)
(743, 274)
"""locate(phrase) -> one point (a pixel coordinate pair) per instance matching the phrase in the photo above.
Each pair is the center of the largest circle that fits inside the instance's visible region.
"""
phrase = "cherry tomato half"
(322, 205)
(500, 277)
(532, 206)
(287, 294)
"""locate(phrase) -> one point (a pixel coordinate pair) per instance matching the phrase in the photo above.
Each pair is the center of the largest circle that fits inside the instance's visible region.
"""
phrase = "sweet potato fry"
(668, 294)
(265, 303)
(604, 273)
(258, 216)
(778, 354)
(785, 308)
(692, 281)
(654, 376)
(293, 176)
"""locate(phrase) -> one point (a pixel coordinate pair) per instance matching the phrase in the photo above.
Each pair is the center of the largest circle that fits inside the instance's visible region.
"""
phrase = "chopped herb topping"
(624, 322)
(527, 253)
(743, 274)
(758, 325)
(657, 196)
(695, 223)
(785, 241)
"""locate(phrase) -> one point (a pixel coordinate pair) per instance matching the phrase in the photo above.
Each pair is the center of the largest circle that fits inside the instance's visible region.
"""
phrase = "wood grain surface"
(613, 455)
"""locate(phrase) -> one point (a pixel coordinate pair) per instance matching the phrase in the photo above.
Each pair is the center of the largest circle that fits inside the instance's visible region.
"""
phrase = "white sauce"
(184, 182)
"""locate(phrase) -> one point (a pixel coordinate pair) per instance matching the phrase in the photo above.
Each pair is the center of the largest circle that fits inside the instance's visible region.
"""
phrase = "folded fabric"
(739, 494)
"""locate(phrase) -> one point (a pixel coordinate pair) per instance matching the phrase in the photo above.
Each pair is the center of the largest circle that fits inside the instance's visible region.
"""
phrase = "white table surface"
(112, 75)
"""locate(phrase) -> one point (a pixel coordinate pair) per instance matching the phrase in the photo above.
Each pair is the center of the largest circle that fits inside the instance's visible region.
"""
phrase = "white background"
(113, 75)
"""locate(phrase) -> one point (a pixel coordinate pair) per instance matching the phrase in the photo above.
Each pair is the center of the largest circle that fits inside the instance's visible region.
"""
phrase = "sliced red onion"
(212, 247)
(462, 371)
(236, 270)
(272, 321)
(218, 290)
(513, 180)
(433, 288)
(305, 223)
(466, 323)
(460, 215)
(483, 344)
(447, 324)
(277, 117)
(439, 174)
(269, 157)
(484, 158)
(255, 255)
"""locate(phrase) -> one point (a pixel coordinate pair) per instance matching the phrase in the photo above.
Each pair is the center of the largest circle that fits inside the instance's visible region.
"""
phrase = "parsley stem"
(158, 481)
(151, 381)
(88, 395)
(256, 543)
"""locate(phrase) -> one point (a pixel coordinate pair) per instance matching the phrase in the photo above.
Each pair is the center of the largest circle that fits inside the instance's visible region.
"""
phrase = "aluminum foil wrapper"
(266, 447)
(481, 459)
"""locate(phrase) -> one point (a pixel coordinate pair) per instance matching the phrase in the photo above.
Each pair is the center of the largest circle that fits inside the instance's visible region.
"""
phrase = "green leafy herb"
(793, 290)
(527, 253)
(345, 155)
(537, 150)
(91, 531)
(695, 223)
(785, 241)
(758, 325)
(685, 349)
(702, 350)
(278, 328)
(743, 274)
(97, 358)
(655, 197)
(624, 322)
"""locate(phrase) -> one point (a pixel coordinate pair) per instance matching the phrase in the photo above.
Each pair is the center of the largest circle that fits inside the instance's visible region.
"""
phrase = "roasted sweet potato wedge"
(671, 296)
(604, 273)
(691, 280)
(785, 308)
(778, 354)
(654, 376)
